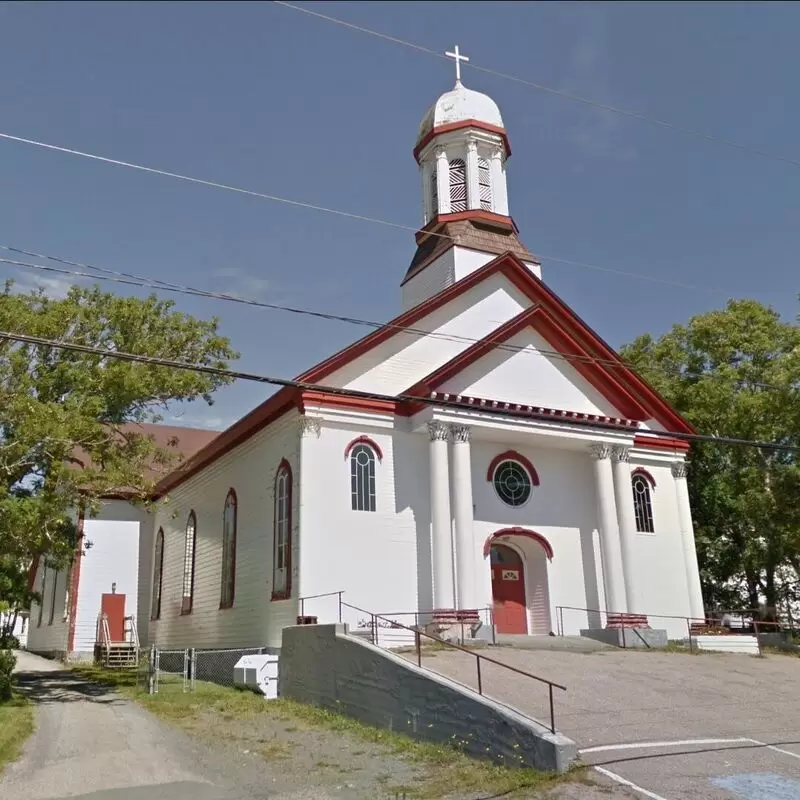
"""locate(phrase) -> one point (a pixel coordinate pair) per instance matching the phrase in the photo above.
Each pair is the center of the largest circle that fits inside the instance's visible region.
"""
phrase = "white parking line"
(679, 743)
(773, 747)
(624, 782)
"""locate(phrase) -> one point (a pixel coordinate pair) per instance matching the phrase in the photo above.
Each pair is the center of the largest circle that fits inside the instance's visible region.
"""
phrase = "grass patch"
(445, 770)
(16, 725)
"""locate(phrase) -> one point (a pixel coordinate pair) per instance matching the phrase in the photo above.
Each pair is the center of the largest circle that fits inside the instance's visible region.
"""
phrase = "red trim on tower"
(663, 442)
(367, 441)
(74, 584)
(457, 126)
(537, 537)
(513, 455)
(496, 220)
(645, 474)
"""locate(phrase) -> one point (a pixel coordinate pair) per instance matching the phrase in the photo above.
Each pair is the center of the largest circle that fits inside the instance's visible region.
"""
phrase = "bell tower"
(462, 151)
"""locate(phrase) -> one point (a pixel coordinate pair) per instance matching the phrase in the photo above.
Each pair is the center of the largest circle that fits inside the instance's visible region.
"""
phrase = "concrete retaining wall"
(323, 666)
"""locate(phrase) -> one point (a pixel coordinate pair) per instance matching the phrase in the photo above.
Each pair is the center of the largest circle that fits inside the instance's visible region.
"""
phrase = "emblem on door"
(510, 575)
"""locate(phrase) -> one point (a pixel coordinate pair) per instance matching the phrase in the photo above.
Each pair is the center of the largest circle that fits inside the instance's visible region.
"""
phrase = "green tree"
(736, 373)
(65, 437)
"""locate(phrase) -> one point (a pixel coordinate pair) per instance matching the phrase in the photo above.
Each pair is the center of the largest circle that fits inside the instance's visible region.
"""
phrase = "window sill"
(645, 533)
(185, 612)
(281, 596)
(225, 606)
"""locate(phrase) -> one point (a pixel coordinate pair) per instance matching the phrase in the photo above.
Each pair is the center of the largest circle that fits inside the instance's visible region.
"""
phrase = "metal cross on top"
(458, 59)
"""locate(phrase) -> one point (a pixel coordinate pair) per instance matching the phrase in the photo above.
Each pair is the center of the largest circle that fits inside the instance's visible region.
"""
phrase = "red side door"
(113, 606)
(508, 591)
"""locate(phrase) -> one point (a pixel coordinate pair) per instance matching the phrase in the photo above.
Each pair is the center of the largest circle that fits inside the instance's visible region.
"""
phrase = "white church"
(522, 469)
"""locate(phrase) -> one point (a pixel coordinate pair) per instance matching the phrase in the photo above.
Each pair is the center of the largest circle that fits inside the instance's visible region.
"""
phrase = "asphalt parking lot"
(669, 726)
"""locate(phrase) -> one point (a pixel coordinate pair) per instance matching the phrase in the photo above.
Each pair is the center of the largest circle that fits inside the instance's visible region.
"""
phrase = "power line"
(550, 90)
(132, 279)
(342, 392)
(337, 212)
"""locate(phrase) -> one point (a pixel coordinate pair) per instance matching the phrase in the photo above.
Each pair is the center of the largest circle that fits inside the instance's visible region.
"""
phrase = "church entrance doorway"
(508, 590)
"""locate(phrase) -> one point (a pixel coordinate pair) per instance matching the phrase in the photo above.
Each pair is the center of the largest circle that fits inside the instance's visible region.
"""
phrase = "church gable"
(407, 354)
(526, 370)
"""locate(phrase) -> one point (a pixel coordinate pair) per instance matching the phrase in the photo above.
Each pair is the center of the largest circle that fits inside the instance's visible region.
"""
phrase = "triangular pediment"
(526, 370)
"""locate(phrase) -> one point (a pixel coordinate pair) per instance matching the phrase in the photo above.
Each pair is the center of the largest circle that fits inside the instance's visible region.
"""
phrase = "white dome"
(458, 105)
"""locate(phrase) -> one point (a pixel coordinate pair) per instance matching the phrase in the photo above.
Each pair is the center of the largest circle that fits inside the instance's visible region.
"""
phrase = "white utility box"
(258, 673)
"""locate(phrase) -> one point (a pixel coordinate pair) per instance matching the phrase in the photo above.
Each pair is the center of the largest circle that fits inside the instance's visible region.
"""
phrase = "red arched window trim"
(367, 441)
(537, 537)
(513, 455)
(645, 474)
(230, 497)
(158, 576)
(286, 592)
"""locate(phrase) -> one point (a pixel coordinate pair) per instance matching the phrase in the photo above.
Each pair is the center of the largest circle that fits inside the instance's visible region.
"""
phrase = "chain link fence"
(181, 670)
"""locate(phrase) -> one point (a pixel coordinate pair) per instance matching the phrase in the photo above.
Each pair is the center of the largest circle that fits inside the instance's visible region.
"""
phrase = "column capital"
(438, 431)
(680, 469)
(472, 145)
(461, 433)
(310, 426)
(620, 453)
(497, 154)
(440, 151)
(600, 451)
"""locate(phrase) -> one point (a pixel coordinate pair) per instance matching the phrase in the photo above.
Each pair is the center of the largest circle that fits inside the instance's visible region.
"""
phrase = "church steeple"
(462, 150)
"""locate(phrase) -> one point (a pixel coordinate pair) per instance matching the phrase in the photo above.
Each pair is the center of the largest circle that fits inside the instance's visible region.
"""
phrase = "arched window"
(158, 573)
(282, 534)
(458, 185)
(188, 563)
(228, 551)
(53, 597)
(485, 184)
(41, 593)
(362, 478)
(642, 504)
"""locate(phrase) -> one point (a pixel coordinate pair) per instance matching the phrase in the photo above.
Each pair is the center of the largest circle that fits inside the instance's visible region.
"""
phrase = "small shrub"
(7, 662)
(10, 641)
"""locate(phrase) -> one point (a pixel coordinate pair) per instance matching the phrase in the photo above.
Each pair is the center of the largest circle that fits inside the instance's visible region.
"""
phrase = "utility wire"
(132, 279)
(337, 212)
(550, 90)
(342, 392)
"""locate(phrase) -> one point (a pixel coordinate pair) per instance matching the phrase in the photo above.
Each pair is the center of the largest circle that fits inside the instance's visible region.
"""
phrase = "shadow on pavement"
(63, 686)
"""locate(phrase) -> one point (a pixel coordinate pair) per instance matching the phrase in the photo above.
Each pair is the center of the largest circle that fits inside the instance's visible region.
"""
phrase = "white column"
(442, 181)
(609, 531)
(499, 190)
(623, 492)
(426, 172)
(462, 511)
(697, 610)
(473, 185)
(441, 530)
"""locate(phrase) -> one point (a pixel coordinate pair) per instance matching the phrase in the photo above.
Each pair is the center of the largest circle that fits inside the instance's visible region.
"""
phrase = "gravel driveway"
(94, 745)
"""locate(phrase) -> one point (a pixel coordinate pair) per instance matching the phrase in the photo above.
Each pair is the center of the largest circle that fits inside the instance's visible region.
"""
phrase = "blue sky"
(267, 98)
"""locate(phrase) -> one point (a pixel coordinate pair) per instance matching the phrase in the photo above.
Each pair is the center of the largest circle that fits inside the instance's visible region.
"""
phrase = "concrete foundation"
(629, 637)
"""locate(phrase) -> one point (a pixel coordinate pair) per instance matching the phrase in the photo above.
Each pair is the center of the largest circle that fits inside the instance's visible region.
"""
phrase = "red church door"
(508, 590)
(113, 606)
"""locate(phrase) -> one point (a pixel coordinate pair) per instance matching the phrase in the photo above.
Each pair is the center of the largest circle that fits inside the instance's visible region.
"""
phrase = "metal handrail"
(418, 634)
(302, 600)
